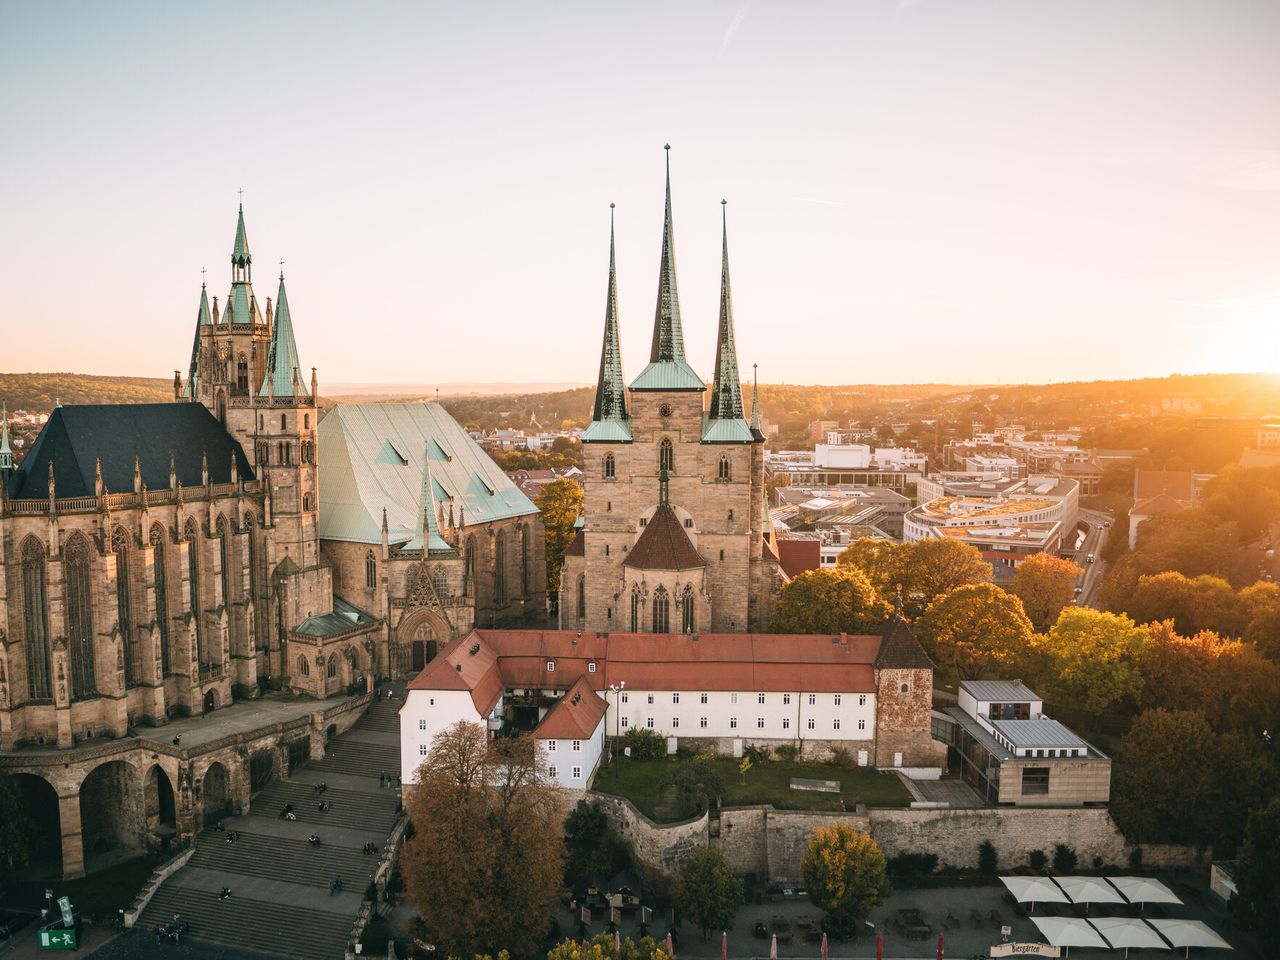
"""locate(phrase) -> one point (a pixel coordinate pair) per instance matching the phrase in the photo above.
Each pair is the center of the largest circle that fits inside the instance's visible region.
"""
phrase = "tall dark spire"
(726, 392)
(668, 336)
(667, 369)
(241, 260)
(203, 319)
(609, 420)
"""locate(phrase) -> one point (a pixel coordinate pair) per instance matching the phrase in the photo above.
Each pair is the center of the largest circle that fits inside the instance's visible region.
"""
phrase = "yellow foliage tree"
(844, 872)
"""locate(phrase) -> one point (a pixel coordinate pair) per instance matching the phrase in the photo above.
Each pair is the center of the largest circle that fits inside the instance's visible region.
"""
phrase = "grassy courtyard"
(641, 782)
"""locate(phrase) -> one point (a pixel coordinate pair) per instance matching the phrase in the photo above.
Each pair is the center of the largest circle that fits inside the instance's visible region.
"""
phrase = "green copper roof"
(725, 431)
(667, 368)
(611, 398)
(6, 451)
(373, 456)
(428, 527)
(240, 252)
(607, 431)
(726, 391)
(284, 377)
(192, 389)
(344, 616)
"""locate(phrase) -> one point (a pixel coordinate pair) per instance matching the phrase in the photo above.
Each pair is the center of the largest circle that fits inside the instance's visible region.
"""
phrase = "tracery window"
(635, 609)
(224, 548)
(666, 456)
(192, 534)
(661, 611)
(500, 568)
(609, 466)
(79, 617)
(582, 598)
(304, 666)
(524, 561)
(723, 472)
(36, 619)
(687, 624)
(158, 538)
(242, 375)
(370, 570)
(124, 618)
(332, 669)
(439, 580)
(469, 568)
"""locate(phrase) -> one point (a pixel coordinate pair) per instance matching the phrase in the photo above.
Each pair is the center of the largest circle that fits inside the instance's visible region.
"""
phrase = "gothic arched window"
(157, 539)
(192, 535)
(308, 501)
(242, 375)
(687, 624)
(224, 547)
(469, 568)
(370, 570)
(124, 618)
(635, 609)
(332, 669)
(609, 466)
(36, 619)
(723, 472)
(666, 456)
(75, 565)
(439, 581)
(304, 666)
(524, 560)
(661, 611)
(582, 598)
(500, 568)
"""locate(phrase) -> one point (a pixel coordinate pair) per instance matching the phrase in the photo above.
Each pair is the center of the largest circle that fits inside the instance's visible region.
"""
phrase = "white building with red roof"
(716, 693)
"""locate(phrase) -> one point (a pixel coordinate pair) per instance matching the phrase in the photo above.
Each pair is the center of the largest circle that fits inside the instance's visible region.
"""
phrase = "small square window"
(759, 698)
(577, 773)
(422, 749)
(786, 723)
(625, 722)
(431, 702)
(837, 699)
(626, 698)
(835, 724)
(759, 723)
(786, 699)
(813, 698)
(651, 698)
(862, 699)
(862, 724)
(551, 771)
(675, 698)
(551, 746)
(811, 723)
(733, 698)
(577, 746)
(648, 722)
(422, 724)
(551, 666)
(591, 668)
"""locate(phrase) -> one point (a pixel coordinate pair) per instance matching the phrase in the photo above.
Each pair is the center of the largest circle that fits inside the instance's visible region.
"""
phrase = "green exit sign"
(57, 940)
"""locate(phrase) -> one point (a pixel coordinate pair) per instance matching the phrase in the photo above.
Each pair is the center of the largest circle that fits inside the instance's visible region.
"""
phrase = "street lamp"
(616, 689)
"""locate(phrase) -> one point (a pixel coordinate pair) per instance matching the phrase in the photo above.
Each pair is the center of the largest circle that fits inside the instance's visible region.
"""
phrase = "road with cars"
(1098, 526)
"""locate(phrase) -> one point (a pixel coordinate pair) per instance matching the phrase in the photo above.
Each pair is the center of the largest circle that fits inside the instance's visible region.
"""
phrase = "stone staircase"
(281, 904)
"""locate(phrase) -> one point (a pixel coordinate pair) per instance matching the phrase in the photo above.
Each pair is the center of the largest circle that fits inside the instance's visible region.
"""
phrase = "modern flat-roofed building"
(1011, 753)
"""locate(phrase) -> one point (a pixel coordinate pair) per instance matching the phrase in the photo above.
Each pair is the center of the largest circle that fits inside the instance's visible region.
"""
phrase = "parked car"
(1090, 558)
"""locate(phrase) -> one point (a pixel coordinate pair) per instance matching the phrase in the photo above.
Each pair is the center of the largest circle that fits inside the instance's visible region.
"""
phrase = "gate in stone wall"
(299, 752)
(262, 769)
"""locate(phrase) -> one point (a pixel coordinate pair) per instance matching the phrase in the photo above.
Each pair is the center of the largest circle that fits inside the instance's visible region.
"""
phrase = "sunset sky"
(920, 190)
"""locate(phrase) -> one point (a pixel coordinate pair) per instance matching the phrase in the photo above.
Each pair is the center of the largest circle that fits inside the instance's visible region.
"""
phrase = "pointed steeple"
(609, 420)
(283, 377)
(6, 451)
(726, 392)
(240, 257)
(427, 532)
(756, 431)
(203, 319)
(242, 305)
(667, 369)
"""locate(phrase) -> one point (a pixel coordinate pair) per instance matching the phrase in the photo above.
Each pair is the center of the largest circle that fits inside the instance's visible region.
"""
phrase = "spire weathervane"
(202, 276)
(241, 192)
(281, 268)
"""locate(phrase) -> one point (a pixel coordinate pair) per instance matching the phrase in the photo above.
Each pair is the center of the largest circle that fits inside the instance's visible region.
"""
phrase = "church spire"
(241, 260)
(726, 392)
(427, 531)
(6, 451)
(203, 319)
(284, 378)
(755, 403)
(667, 369)
(609, 419)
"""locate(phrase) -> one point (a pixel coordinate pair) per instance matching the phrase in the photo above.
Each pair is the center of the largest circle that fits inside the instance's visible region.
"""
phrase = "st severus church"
(676, 536)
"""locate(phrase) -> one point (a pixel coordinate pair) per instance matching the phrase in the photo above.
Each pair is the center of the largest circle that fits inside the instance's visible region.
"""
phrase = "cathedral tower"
(674, 538)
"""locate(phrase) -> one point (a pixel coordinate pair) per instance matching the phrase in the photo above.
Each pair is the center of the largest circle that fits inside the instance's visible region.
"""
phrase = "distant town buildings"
(1158, 493)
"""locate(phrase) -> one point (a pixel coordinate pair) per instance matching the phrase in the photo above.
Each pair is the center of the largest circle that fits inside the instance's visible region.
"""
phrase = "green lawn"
(640, 782)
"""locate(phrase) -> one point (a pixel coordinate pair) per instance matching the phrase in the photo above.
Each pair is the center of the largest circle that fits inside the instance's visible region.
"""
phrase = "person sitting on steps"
(225, 894)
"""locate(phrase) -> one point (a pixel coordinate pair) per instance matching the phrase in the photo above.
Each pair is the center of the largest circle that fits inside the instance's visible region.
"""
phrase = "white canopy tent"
(1034, 890)
(1143, 890)
(1089, 890)
(1127, 932)
(1188, 934)
(1069, 932)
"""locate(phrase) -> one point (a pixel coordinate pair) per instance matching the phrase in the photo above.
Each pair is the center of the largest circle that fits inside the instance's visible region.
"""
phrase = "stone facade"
(904, 710)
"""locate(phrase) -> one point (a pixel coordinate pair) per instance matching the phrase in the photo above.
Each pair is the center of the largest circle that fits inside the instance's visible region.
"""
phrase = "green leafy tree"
(844, 873)
(829, 601)
(644, 744)
(707, 892)
(988, 859)
(975, 629)
(560, 503)
(593, 847)
(1045, 584)
(1064, 859)
(1092, 659)
(15, 832)
(1257, 876)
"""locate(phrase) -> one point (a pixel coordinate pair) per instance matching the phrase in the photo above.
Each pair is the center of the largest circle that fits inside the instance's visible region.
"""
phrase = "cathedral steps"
(363, 759)
(349, 809)
(292, 861)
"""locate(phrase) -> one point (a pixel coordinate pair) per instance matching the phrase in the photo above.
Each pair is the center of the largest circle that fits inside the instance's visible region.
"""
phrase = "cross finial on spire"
(282, 268)
(202, 277)
(241, 192)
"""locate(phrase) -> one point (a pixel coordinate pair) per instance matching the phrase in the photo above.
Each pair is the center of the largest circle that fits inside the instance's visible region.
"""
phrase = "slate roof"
(372, 456)
(726, 391)
(900, 649)
(344, 616)
(75, 437)
(609, 419)
(663, 545)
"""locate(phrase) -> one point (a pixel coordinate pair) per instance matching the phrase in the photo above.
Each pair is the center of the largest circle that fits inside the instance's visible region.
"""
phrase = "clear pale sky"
(954, 190)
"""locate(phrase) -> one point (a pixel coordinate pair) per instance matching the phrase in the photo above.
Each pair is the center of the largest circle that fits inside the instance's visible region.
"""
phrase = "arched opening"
(582, 597)
(124, 615)
(35, 616)
(224, 551)
(500, 568)
(215, 796)
(222, 407)
(610, 466)
(192, 534)
(39, 800)
(79, 595)
(158, 538)
(370, 570)
(210, 701)
(524, 561)
(242, 376)
(635, 609)
(687, 623)
(469, 568)
(110, 803)
(304, 666)
(723, 472)
(160, 809)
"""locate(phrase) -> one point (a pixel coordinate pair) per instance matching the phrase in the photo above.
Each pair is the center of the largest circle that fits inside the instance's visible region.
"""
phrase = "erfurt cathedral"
(676, 536)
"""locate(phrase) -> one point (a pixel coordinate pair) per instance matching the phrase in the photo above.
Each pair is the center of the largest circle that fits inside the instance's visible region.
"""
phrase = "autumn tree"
(1045, 584)
(707, 892)
(482, 867)
(844, 872)
(1256, 875)
(878, 559)
(1091, 659)
(560, 503)
(974, 629)
(603, 947)
(1192, 603)
(924, 569)
(829, 601)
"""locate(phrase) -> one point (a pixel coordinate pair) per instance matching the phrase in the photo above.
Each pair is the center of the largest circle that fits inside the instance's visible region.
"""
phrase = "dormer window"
(551, 666)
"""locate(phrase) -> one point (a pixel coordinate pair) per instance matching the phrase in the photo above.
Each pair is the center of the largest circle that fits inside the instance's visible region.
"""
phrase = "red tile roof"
(1179, 484)
(1156, 506)
(797, 556)
(664, 545)
(575, 716)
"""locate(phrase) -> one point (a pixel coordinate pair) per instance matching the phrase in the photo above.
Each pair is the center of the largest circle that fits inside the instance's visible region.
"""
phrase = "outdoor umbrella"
(940, 946)
(824, 945)
(1034, 890)
(724, 945)
(1143, 890)
(617, 941)
(1069, 932)
(773, 948)
(1188, 934)
(1127, 932)
(671, 948)
(1089, 890)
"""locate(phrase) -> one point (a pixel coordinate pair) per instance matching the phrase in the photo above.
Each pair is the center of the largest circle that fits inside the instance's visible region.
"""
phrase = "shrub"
(912, 867)
(841, 757)
(1037, 860)
(988, 859)
(1064, 859)
(645, 744)
(757, 754)
(1135, 858)
(785, 752)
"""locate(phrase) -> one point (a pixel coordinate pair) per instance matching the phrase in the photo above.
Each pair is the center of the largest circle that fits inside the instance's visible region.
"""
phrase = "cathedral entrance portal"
(210, 701)
(420, 636)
